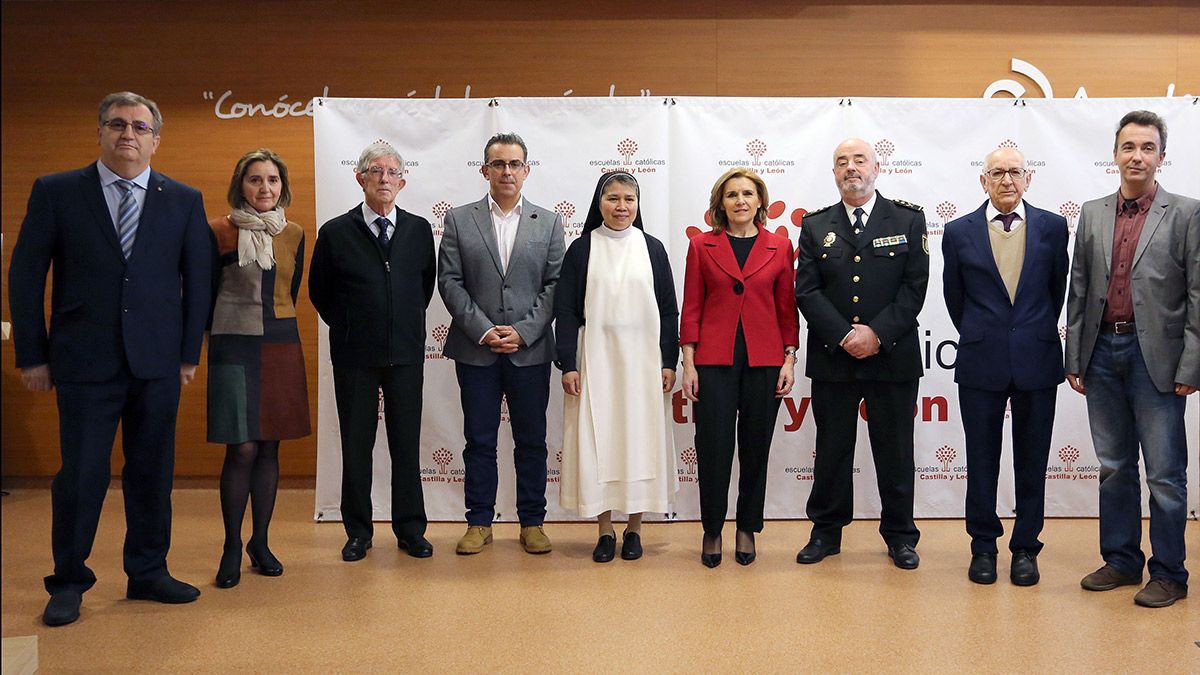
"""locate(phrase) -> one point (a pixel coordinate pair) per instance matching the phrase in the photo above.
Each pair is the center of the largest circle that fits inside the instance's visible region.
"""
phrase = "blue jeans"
(527, 389)
(1125, 410)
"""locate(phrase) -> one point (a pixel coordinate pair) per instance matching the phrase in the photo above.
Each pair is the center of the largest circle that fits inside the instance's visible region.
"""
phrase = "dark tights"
(251, 472)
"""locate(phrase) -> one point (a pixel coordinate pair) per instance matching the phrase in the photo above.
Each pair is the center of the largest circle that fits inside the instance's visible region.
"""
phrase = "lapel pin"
(829, 239)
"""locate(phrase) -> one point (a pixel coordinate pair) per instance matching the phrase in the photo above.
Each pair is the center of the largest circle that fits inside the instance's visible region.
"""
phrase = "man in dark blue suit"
(1005, 278)
(132, 273)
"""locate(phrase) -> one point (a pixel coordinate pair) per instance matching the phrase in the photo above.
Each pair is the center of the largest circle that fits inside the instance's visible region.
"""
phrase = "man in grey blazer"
(1133, 349)
(497, 267)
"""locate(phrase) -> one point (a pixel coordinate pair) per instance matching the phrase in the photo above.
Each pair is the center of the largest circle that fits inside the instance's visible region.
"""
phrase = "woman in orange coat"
(739, 331)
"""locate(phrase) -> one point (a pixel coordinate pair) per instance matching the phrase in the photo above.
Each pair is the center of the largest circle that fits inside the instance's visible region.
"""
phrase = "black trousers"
(890, 427)
(739, 402)
(1032, 427)
(89, 413)
(356, 391)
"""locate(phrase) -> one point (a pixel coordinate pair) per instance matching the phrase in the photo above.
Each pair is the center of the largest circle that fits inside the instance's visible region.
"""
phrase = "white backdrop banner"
(931, 151)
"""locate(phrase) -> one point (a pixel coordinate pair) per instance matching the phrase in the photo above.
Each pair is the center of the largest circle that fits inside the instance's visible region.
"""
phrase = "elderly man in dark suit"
(1133, 349)
(371, 279)
(132, 273)
(497, 267)
(1005, 278)
(860, 283)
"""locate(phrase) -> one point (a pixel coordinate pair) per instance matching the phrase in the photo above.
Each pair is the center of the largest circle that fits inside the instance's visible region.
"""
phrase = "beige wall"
(60, 58)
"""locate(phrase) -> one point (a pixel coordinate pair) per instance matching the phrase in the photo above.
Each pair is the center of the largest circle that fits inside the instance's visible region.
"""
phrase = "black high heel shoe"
(229, 573)
(263, 560)
(746, 557)
(710, 559)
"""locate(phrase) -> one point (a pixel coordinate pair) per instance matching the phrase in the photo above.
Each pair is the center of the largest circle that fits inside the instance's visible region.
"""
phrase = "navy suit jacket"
(1002, 341)
(148, 312)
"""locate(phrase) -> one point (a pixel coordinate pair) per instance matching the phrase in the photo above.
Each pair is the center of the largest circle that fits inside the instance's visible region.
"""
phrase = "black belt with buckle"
(1119, 327)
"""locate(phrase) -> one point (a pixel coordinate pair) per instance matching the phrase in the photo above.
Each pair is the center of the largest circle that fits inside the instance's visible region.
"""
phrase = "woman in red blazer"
(739, 330)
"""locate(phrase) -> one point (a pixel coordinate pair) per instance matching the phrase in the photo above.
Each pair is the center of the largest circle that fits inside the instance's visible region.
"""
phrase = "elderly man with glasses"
(497, 267)
(1005, 280)
(371, 279)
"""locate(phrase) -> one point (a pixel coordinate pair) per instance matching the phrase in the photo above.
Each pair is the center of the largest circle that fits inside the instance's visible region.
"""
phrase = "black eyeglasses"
(997, 175)
(119, 125)
(513, 165)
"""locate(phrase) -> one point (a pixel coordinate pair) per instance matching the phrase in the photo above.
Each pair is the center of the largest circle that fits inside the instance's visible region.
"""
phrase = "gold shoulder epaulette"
(907, 205)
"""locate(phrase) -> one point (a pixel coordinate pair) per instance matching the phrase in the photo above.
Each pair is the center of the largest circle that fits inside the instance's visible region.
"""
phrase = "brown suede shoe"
(474, 540)
(534, 540)
(1107, 578)
(1160, 592)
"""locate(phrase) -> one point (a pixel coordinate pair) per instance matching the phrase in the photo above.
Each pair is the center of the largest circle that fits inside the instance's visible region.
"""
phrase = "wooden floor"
(506, 611)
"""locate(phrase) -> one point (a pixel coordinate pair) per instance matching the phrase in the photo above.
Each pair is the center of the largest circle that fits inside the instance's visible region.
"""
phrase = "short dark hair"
(128, 98)
(1144, 118)
(506, 138)
(235, 197)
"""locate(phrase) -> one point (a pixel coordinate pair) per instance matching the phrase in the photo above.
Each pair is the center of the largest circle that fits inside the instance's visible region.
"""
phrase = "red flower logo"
(1007, 143)
(565, 209)
(688, 457)
(945, 455)
(757, 149)
(884, 148)
(627, 148)
(442, 457)
(1069, 454)
(946, 211)
(440, 209)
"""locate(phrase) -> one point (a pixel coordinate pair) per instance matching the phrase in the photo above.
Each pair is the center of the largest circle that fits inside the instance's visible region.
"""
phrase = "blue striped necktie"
(127, 218)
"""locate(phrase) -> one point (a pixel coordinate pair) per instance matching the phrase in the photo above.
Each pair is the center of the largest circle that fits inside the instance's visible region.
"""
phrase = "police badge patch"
(829, 239)
(925, 243)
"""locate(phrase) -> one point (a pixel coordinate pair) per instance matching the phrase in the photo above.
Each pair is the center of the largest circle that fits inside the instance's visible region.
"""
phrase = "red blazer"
(766, 306)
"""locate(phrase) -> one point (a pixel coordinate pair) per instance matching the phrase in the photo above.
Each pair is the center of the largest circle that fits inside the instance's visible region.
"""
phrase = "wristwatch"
(789, 351)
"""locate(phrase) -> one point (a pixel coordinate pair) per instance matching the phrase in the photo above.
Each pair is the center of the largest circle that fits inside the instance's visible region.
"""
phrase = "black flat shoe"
(983, 568)
(62, 609)
(817, 550)
(746, 557)
(606, 549)
(355, 548)
(1024, 570)
(229, 573)
(417, 547)
(263, 560)
(904, 556)
(165, 589)
(631, 545)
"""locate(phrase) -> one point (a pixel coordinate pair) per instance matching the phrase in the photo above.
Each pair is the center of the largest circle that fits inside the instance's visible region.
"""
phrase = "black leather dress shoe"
(355, 549)
(1024, 570)
(417, 547)
(165, 589)
(631, 545)
(983, 568)
(263, 560)
(606, 549)
(229, 572)
(817, 550)
(62, 609)
(904, 556)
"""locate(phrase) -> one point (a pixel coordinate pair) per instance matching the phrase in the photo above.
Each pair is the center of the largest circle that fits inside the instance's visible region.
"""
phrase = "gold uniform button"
(891, 254)
(854, 299)
(824, 256)
(856, 319)
(857, 258)
(856, 277)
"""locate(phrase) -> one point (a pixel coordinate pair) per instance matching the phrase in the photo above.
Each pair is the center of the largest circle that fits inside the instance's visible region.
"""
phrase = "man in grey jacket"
(1133, 348)
(499, 261)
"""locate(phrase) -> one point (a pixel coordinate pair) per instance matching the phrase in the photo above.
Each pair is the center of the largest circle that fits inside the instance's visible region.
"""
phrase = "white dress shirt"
(369, 215)
(992, 212)
(505, 225)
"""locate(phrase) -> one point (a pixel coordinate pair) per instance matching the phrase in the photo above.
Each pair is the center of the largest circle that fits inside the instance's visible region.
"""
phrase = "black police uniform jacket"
(877, 278)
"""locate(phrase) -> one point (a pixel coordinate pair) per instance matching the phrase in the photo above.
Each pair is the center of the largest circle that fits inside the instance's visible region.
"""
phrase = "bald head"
(1004, 178)
(855, 169)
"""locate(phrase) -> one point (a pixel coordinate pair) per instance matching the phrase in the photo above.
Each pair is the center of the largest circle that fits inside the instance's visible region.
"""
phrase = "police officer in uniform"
(860, 282)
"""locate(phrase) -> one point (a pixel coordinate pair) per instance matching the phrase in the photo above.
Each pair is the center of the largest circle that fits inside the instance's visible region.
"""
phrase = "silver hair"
(375, 151)
(130, 99)
(623, 179)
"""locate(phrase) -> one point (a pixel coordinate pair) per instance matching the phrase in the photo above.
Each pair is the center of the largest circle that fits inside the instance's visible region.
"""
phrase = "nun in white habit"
(617, 334)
